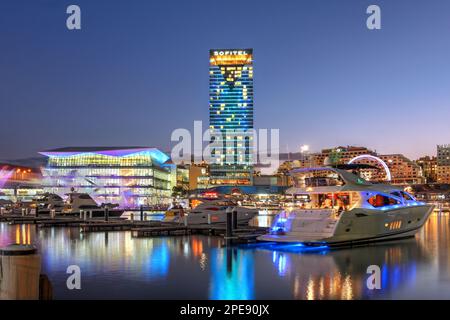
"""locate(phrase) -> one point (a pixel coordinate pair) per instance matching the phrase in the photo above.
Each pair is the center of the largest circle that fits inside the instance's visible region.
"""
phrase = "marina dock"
(138, 228)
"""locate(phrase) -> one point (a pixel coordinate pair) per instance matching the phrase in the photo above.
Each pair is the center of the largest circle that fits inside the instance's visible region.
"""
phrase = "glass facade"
(231, 115)
(128, 177)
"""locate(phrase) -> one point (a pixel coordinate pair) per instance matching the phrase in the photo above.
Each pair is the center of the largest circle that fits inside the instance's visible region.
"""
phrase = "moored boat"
(343, 208)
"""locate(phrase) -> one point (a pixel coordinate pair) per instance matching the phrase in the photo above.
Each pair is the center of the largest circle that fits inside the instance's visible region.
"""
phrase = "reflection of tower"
(232, 274)
(159, 260)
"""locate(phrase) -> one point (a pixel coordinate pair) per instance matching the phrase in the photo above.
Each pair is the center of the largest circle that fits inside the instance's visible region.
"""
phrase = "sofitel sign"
(232, 52)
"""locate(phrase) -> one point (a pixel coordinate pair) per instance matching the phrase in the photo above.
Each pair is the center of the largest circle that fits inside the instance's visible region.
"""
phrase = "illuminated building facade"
(429, 168)
(231, 115)
(129, 176)
(443, 163)
(402, 170)
(19, 183)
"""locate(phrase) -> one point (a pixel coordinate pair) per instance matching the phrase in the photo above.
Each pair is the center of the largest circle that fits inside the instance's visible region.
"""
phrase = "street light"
(304, 148)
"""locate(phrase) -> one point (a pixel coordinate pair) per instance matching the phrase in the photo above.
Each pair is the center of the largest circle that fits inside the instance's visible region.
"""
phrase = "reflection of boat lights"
(203, 262)
(297, 247)
(279, 259)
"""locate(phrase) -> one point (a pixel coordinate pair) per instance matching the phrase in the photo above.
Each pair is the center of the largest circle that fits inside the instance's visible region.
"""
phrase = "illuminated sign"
(231, 56)
(227, 53)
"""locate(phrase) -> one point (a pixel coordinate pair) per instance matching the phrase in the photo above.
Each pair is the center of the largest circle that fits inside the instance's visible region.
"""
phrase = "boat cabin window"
(379, 200)
(397, 194)
(338, 201)
(403, 195)
(407, 196)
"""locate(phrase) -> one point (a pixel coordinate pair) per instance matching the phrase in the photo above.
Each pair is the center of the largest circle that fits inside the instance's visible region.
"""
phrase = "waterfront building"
(443, 163)
(198, 176)
(182, 177)
(130, 176)
(271, 180)
(429, 168)
(231, 115)
(403, 170)
(19, 183)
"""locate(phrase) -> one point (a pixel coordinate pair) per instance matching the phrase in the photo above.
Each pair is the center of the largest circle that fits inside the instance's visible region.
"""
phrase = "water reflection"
(232, 274)
(114, 265)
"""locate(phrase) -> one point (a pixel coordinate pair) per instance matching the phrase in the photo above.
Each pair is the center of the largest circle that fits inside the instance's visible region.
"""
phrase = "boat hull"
(360, 226)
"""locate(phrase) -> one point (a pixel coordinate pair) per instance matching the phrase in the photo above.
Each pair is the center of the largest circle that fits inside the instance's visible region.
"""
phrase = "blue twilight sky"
(139, 69)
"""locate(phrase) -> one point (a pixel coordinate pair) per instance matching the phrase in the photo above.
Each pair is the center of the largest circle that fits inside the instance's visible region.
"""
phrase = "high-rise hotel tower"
(231, 115)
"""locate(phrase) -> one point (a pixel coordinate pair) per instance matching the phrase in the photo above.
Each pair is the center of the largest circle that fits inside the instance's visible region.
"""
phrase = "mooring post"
(36, 211)
(229, 225)
(209, 218)
(142, 212)
(20, 266)
(106, 214)
(132, 217)
(235, 220)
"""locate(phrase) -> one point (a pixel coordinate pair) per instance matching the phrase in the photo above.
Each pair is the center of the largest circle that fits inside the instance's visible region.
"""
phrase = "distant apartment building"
(402, 169)
(443, 163)
(129, 176)
(341, 154)
(429, 168)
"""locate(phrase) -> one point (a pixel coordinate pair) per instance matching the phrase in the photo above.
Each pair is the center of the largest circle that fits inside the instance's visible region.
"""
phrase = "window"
(397, 194)
(407, 196)
(379, 200)
(403, 195)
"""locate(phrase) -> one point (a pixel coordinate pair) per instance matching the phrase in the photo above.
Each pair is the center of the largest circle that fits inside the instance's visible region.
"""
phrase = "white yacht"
(343, 208)
(212, 211)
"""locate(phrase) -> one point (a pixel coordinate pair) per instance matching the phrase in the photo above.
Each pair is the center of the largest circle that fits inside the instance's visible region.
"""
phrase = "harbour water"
(116, 266)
